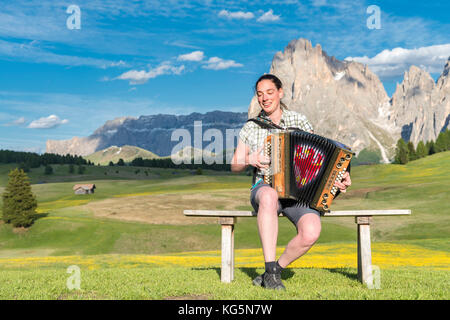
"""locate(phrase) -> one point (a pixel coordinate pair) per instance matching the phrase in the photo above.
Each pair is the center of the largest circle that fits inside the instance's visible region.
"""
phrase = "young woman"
(263, 197)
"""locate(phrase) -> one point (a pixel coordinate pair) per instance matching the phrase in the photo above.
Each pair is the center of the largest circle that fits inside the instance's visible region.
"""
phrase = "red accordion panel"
(308, 161)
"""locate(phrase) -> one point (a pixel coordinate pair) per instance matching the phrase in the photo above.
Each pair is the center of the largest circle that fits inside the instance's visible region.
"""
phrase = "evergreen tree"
(120, 162)
(19, 203)
(421, 150)
(447, 133)
(401, 152)
(411, 151)
(71, 168)
(441, 142)
(430, 147)
(111, 164)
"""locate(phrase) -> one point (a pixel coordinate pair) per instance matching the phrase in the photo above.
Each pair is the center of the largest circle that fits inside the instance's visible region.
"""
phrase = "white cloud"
(119, 63)
(181, 44)
(265, 17)
(216, 63)
(142, 76)
(18, 122)
(236, 15)
(51, 121)
(268, 17)
(193, 56)
(393, 63)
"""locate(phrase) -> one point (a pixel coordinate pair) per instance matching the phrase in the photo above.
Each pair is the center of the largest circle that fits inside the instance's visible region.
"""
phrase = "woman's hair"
(271, 77)
(277, 82)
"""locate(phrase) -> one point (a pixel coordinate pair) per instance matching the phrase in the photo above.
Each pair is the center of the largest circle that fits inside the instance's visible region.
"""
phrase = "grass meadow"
(131, 240)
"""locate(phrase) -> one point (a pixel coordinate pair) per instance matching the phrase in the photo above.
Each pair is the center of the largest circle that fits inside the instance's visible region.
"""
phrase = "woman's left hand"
(344, 183)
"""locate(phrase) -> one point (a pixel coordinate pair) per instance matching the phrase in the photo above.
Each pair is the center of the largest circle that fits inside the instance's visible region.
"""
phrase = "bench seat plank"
(346, 213)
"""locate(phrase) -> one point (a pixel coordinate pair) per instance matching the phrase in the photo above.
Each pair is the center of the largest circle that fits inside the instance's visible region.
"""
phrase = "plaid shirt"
(254, 136)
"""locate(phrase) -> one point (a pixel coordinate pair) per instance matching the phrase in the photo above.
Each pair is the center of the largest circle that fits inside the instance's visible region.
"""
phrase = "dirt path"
(168, 208)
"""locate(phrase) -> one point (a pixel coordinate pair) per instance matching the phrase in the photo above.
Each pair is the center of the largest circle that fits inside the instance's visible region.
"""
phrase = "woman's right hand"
(258, 159)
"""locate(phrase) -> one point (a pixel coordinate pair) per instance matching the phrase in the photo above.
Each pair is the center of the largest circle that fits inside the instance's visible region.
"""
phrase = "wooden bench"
(227, 219)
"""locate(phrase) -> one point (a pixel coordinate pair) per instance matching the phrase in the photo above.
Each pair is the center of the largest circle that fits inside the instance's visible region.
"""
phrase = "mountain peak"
(420, 106)
(327, 90)
(151, 132)
(445, 72)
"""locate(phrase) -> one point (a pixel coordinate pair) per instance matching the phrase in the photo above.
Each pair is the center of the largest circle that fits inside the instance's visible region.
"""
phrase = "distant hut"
(84, 188)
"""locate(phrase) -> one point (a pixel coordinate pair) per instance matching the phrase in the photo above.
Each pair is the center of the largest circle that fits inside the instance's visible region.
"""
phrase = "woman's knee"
(309, 230)
(268, 198)
(310, 237)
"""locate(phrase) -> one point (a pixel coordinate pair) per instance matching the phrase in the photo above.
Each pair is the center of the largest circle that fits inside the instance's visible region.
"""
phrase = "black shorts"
(289, 207)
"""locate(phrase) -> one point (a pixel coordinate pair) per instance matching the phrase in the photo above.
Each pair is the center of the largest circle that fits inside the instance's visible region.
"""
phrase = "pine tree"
(421, 150)
(401, 152)
(441, 142)
(411, 151)
(430, 147)
(19, 202)
(447, 133)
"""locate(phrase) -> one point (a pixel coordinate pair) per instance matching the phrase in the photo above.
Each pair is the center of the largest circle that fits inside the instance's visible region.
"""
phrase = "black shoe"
(258, 280)
(272, 281)
(269, 281)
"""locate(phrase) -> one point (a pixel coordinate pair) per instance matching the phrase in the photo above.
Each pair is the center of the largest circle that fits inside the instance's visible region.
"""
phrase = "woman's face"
(268, 96)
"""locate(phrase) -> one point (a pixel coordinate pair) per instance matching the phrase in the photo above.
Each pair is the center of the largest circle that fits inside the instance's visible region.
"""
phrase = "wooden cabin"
(84, 188)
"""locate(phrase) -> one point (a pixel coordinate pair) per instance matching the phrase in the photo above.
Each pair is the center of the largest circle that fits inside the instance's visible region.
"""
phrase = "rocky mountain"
(151, 133)
(346, 101)
(421, 107)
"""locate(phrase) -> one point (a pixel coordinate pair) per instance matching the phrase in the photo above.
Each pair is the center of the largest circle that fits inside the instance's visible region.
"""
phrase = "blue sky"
(132, 58)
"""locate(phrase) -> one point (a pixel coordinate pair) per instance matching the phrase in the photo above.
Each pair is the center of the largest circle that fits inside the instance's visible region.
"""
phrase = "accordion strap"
(266, 123)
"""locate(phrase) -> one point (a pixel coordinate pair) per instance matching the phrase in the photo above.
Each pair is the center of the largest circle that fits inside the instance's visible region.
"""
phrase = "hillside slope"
(113, 153)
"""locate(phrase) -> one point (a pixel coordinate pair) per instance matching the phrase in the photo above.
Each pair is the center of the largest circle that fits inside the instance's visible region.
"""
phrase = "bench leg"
(364, 251)
(227, 270)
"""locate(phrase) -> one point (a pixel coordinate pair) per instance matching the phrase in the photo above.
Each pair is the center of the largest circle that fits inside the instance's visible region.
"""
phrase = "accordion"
(305, 166)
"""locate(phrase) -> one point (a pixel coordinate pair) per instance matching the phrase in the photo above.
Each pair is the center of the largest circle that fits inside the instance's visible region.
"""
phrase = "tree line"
(168, 163)
(405, 151)
(28, 160)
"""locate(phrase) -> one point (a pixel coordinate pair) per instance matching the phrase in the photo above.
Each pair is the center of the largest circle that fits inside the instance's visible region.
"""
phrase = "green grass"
(74, 231)
(420, 186)
(65, 228)
(204, 283)
(61, 173)
(60, 194)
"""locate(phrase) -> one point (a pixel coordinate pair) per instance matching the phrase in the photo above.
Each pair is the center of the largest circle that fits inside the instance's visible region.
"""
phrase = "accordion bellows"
(305, 166)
